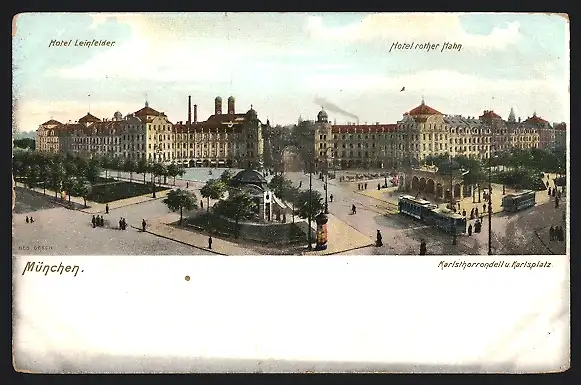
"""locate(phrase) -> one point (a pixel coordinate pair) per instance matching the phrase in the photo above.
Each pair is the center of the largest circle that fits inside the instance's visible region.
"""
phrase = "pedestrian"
(187, 184)
(93, 221)
(300, 184)
(476, 212)
(331, 197)
(101, 221)
(379, 186)
(556, 202)
(464, 213)
(107, 208)
(379, 241)
(423, 249)
(210, 242)
(365, 186)
(561, 234)
(201, 204)
(469, 230)
(551, 233)
(120, 223)
(27, 221)
(553, 192)
(484, 208)
(31, 220)
(353, 211)
(124, 224)
(143, 224)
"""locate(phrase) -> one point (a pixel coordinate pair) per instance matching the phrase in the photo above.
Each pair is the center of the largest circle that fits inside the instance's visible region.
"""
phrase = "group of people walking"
(29, 220)
(98, 221)
(362, 186)
(122, 224)
(557, 233)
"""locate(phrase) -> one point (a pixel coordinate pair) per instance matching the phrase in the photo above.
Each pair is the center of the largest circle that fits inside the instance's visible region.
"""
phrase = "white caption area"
(272, 313)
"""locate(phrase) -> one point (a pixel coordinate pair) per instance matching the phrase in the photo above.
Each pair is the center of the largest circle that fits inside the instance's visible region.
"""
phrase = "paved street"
(63, 231)
(60, 231)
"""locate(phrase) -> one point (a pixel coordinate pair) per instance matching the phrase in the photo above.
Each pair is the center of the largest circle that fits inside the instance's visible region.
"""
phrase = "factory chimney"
(189, 110)
(195, 113)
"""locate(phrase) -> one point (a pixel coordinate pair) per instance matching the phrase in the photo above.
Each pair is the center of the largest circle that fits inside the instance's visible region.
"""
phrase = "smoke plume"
(334, 108)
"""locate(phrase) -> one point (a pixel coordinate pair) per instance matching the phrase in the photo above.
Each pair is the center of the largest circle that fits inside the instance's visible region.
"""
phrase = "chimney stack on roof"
(189, 110)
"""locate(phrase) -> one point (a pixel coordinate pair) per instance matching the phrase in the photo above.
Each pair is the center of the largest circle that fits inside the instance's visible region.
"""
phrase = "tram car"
(429, 213)
(446, 220)
(413, 207)
(518, 201)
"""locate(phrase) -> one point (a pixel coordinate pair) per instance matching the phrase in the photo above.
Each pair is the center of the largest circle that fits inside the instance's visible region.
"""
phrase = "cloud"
(418, 27)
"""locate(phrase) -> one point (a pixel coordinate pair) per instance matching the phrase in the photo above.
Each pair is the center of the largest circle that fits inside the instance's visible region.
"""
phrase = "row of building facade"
(423, 132)
(236, 139)
(225, 139)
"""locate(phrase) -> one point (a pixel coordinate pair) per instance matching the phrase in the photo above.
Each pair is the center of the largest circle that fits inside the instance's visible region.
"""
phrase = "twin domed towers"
(218, 105)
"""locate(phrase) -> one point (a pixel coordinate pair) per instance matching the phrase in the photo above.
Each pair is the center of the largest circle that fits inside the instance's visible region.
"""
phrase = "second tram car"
(518, 201)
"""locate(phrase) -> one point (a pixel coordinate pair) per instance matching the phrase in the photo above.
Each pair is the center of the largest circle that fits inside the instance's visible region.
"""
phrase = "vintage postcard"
(140, 139)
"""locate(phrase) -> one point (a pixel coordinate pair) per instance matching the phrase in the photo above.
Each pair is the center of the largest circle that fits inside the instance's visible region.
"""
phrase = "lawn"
(121, 190)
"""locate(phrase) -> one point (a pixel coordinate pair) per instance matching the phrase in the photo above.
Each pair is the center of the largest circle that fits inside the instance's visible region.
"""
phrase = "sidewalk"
(341, 238)
(160, 226)
(555, 247)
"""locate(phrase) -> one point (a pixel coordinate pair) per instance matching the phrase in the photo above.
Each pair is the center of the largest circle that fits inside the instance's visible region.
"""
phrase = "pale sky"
(287, 65)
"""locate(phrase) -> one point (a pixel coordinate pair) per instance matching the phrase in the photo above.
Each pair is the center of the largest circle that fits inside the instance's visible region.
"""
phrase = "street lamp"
(309, 230)
(158, 150)
(490, 205)
(327, 180)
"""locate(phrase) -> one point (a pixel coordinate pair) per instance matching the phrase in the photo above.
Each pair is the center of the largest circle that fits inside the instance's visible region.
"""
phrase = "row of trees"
(67, 173)
(73, 175)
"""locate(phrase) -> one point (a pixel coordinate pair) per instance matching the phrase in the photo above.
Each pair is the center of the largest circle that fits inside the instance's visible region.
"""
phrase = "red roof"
(147, 111)
(51, 123)
(362, 128)
(89, 119)
(489, 115)
(423, 109)
(536, 120)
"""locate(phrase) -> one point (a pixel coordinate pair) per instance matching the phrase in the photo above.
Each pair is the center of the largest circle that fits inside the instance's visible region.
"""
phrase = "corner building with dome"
(424, 131)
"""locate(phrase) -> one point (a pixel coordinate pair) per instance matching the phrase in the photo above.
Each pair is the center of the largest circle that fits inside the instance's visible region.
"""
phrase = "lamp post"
(158, 151)
(310, 246)
(489, 205)
(327, 180)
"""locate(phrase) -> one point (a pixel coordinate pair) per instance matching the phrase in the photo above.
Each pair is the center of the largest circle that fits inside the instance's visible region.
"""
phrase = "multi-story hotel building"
(229, 139)
(422, 132)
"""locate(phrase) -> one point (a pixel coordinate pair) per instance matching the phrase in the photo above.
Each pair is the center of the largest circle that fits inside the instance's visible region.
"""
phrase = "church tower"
(511, 117)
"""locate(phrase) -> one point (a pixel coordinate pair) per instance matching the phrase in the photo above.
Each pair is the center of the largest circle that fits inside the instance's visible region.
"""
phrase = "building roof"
(423, 109)
(247, 176)
(51, 122)
(489, 115)
(362, 128)
(537, 120)
(147, 111)
(89, 118)
(560, 126)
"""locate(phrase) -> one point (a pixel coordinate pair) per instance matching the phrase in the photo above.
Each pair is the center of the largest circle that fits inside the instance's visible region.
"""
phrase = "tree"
(178, 200)
(226, 177)
(45, 172)
(106, 163)
(172, 172)
(82, 188)
(290, 195)
(130, 166)
(212, 189)
(159, 170)
(70, 167)
(309, 204)
(34, 176)
(25, 143)
(69, 185)
(93, 170)
(279, 185)
(116, 165)
(238, 206)
(57, 176)
(142, 167)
